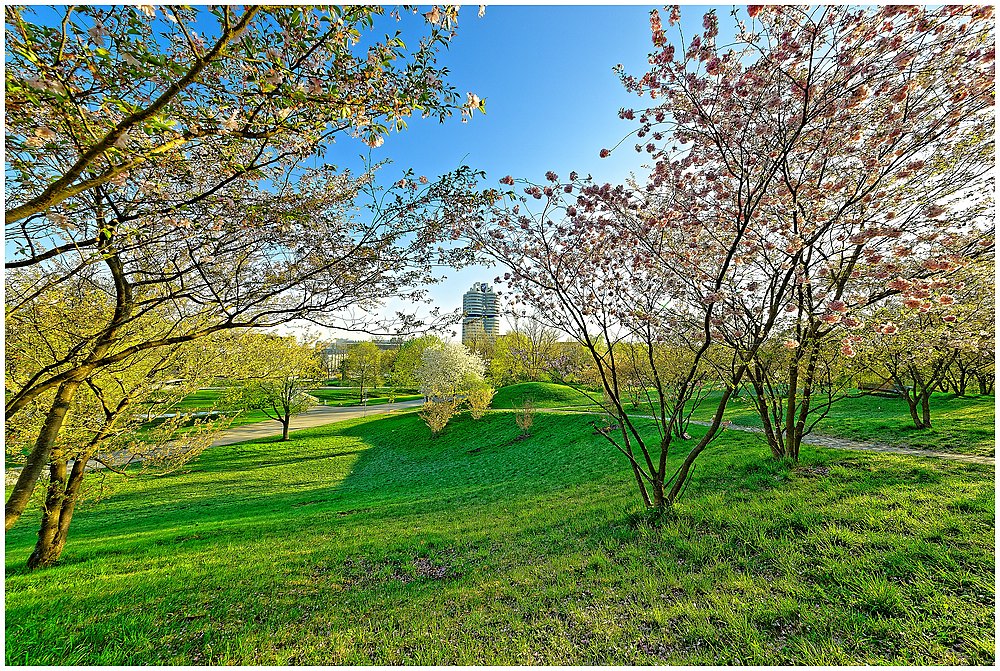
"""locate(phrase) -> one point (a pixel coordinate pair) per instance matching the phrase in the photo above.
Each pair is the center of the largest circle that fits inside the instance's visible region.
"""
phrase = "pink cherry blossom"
(934, 211)
(838, 306)
(888, 328)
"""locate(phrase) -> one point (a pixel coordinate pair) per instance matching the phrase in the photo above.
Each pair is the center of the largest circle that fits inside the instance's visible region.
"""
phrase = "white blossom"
(449, 369)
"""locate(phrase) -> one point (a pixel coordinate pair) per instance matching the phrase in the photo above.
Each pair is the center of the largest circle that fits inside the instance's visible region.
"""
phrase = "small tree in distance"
(363, 366)
(915, 346)
(436, 415)
(281, 371)
(479, 398)
(524, 416)
(407, 359)
(448, 370)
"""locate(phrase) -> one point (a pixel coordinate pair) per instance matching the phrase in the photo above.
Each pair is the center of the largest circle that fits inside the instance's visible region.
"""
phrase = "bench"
(885, 389)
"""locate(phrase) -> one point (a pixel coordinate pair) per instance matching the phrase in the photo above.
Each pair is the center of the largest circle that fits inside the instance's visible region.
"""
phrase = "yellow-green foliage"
(479, 399)
(436, 415)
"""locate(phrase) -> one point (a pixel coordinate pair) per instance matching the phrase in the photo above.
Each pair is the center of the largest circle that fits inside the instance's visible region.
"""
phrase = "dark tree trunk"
(40, 453)
(773, 433)
(60, 503)
(284, 427)
(804, 404)
(913, 404)
(659, 497)
(793, 391)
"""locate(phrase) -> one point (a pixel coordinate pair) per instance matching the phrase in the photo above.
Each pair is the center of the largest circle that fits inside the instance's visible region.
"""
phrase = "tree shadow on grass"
(397, 526)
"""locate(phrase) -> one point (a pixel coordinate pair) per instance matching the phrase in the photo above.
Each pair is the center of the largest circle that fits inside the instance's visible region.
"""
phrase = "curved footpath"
(317, 416)
(834, 443)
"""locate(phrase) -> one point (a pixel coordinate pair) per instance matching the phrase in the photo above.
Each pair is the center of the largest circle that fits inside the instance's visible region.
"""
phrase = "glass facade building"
(479, 308)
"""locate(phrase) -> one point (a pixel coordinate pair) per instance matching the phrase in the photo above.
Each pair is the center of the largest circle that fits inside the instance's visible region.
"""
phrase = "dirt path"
(835, 443)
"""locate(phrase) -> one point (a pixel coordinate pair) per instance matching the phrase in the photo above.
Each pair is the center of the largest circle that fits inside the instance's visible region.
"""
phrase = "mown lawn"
(542, 394)
(207, 400)
(345, 397)
(961, 425)
(368, 542)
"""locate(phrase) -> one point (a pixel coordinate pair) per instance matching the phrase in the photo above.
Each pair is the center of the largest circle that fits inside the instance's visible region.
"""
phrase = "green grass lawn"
(206, 399)
(543, 394)
(962, 425)
(959, 425)
(368, 542)
(346, 397)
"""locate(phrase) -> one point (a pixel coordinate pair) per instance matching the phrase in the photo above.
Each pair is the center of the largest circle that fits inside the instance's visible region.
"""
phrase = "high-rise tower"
(479, 305)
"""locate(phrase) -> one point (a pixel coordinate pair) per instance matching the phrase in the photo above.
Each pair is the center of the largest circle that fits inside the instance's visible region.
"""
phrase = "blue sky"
(552, 101)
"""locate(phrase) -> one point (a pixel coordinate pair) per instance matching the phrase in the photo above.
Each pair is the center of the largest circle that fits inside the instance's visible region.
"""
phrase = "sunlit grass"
(369, 542)
(542, 394)
(962, 425)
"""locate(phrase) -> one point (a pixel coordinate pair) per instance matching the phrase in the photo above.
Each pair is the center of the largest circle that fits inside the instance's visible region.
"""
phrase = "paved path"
(845, 444)
(317, 416)
(839, 443)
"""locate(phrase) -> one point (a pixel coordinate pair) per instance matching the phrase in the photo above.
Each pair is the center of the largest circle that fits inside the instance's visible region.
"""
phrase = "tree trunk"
(772, 432)
(40, 453)
(659, 498)
(912, 403)
(793, 391)
(43, 554)
(60, 502)
(925, 407)
(802, 405)
(284, 427)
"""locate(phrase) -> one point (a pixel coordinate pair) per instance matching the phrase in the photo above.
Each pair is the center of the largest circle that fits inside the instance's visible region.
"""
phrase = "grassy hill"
(963, 425)
(368, 542)
(543, 394)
